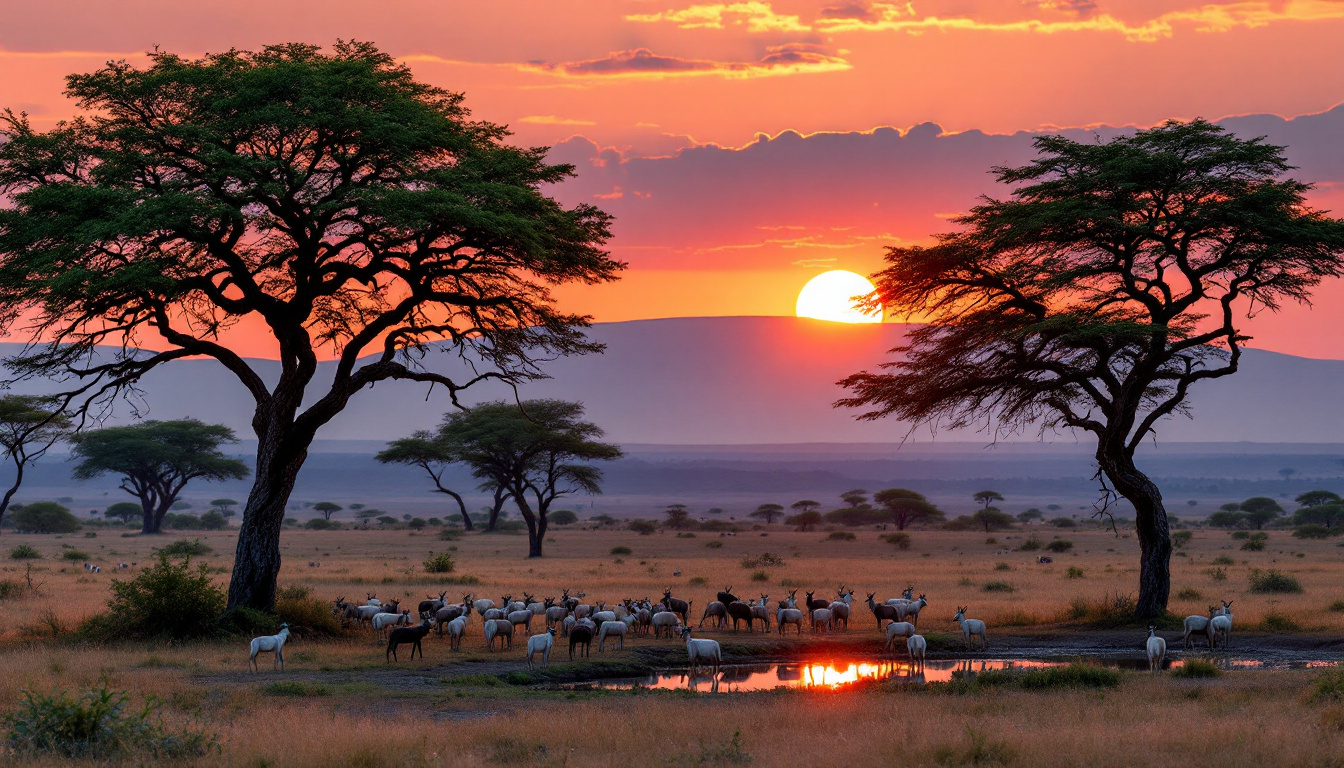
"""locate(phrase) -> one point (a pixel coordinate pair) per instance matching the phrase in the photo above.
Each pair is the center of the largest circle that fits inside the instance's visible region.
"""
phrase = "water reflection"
(833, 675)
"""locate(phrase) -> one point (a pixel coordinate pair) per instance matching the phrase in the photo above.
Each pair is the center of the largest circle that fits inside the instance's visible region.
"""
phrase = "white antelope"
(701, 652)
(917, 648)
(785, 616)
(611, 629)
(1220, 626)
(270, 644)
(898, 629)
(821, 620)
(456, 628)
(1197, 625)
(970, 627)
(541, 644)
(1157, 649)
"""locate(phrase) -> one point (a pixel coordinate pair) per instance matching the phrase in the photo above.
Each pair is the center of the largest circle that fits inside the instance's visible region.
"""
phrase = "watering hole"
(742, 678)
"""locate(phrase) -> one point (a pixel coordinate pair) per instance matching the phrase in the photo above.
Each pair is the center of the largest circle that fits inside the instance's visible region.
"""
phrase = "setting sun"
(830, 296)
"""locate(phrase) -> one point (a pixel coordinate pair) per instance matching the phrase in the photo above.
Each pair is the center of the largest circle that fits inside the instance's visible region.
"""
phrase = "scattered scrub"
(1223, 560)
(185, 548)
(624, 550)
(714, 545)
(75, 555)
(765, 560)
(1196, 668)
(165, 600)
(1329, 687)
(1190, 593)
(1003, 567)
(1030, 545)
(287, 688)
(1059, 546)
(1074, 572)
(899, 540)
(760, 576)
(439, 563)
(100, 724)
(1272, 582)
(980, 751)
(1278, 622)
(304, 613)
(24, 552)
(998, 586)
(840, 536)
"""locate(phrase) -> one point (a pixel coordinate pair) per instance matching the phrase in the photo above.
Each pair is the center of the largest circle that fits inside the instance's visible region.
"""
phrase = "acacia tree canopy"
(328, 197)
(1108, 283)
(29, 426)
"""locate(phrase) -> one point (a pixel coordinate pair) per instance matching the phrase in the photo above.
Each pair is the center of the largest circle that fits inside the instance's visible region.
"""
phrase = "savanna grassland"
(340, 704)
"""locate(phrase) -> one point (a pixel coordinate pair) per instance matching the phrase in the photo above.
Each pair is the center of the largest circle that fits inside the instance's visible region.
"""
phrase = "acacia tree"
(329, 197)
(29, 426)
(768, 512)
(327, 508)
(1108, 283)
(906, 507)
(987, 498)
(156, 460)
(433, 452)
(678, 516)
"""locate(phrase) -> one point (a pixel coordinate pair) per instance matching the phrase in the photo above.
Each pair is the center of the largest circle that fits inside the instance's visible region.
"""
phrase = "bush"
(1312, 531)
(1196, 668)
(320, 524)
(766, 559)
(1329, 686)
(75, 555)
(1273, 582)
(642, 527)
(1059, 545)
(620, 550)
(440, 563)
(1003, 567)
(840, 536)
(43, 517)
(287, 688)
(1030, 545)
(562, 517)
(449, 534)
(1072, 676)
(714, 545)
(1217, 574)
(899, 540)
(1074, 572)
(760, 576)
(182, 522)
(998, 586)
(305, 614)
(1241, 535)
(1180, 538)
(1337, 606)
(1064, 522)
(166, 600)
(1256, 543)
(1277, 622)
(24, 552)
(1223, 560)
(213, 521)
(1190, 593)
(1109, 612)
(101, 725)
(185, 548)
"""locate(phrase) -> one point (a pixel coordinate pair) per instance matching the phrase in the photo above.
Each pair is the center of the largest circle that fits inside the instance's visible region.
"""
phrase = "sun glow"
(830, 296)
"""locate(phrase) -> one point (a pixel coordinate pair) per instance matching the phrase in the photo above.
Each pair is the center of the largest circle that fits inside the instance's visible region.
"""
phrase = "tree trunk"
(536, 524)
(151, 521)
(1150, 522)
(500, 498)
(256, 563)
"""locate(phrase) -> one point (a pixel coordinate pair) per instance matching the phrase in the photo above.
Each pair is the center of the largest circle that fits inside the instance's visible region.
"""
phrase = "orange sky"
(660, 104)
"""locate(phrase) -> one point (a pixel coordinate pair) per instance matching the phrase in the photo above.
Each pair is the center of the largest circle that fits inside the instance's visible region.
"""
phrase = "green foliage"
(213, 521)
(840, 536)
(760, 576)
(304, 613)
(321, 524)
(126, 511)
(1032, 544)
(1064, 522)
(43, 517)
(1217, 574)
(1071, 676)
(1194, 668)
(1228, 519)
(166, 600)
(1260, 510)
(1256, 542)
(24, 552)
(563, 517)
(900, 540)
(1030, 515)
(1312, 531)
(768, 512)
(440, 563)
(1272, 582)
(1059, 545)
(294, 688)
(449, 534)
(99, 724)
(1223, 560)
(1337, 606)
(1181, 538)
(992, 519)
(1329, 686)
(642, 527)
(804, 521)
(1190, 593)
(855, 516)
(1278, 622)
(416, 523)
(998, 586)
(185, 548)
(1074, 572)
(979, 751)
(75, 555)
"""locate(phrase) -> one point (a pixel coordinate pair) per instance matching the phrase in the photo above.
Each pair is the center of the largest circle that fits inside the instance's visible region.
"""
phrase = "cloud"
(854, 9)
(553, 120)
(788, 59)
(754, 16)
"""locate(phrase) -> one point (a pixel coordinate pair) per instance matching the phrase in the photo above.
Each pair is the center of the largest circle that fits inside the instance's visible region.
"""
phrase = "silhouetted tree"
(987, 498)
(855, 498)
(1093, 298)
(29, 427)
(904, 507)
(125, 511)
(156, 460)
(327, 509)
(225, 506)
(328, 198)
(433, 452)
(1030, 515)
(805, 505)
(768, 512)
(805, 521)
(993, 519)
(1287, 473)
(1260, 510)
(678, 516)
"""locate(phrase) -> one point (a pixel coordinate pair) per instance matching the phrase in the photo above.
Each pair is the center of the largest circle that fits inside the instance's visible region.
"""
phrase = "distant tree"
(432, 452)
(1225, 518)
(768, 512)
(366, 514)
(386, 520)
(855, 498)
(44, 517)
(805, 521)
(213, 521)
(1110, 280)
(1318, 499)
(905, 507)
(805, 505)
(29, 427)
(714, 511)
(1231, 506)
(125, 511)
(156, 460)
(327, 509)
(1327, 515)
(356, 507)
(864, 514)
(224, 506)
(1260, 510)
(180, 504)
(1030, 515)
(416, 523)
(987, 498)
(993, 519)
(1287, 473)
(564, 517)
(678, 516)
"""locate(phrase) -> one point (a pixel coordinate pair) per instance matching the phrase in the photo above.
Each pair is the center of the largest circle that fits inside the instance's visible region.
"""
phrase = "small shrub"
(1059, 545)
(766, 559)
(440, 563)
(980, 751)
(10, 589)
(840, 536)
(1273, 582)
(1329, 686)
(685, 535)
(1337, 606)
(620, 550)
(698, 581)
(1277, 622)
(1196, 668)
(1254, 545)
(1074, 572)
(998, 586)
(1241, 535)
(100, 724)
(1312, 531)
(449, 534)
(899, 540)
(1064, 522)
(1190, 593)
(1003, 567)
(760, 576)
(714, 545)
(186, 548)
(24, 552)
(1030, 545)
(75, 555)
(642, 527)
(304, 613)
(167, 599)
(1223, 560)
(1111, 611)
(1071, 676)
(1180, 538)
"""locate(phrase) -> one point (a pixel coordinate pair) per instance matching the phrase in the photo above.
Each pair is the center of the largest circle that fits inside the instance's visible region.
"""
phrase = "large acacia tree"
(329, 199)
(1109, 282)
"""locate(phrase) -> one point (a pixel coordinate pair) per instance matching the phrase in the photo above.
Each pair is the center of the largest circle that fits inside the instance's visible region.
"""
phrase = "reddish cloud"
(788, 59)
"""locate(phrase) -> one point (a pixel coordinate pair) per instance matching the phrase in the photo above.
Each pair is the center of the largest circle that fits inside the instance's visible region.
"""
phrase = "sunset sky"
(745, 147)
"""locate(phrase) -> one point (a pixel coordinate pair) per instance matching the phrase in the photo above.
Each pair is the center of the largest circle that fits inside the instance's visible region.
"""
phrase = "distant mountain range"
(751, 380)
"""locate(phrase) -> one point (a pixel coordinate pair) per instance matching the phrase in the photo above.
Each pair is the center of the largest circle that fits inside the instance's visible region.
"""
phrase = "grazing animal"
(821, 620)
(1220, 625)
(727, 596)
(840, 613)
(372, 599)
(567, 625)
(898, 629)
(382, 621)
(680, 607)
(555, 614)
(740, 611)
(540, 644)
(367, 612)
(663, 620)
(717, 611)
(762, 612)
(971, 627)
(433, 604)
(701, 652)
(456, 629)
(813, 604)
(1157, 649)
(270, 644)
(580, 636)
(881, 612)
(911, 610)
(412, 635)
(450, 613)
(785, 615)
(613, 629)
(523, 617)
(483, 605)
(1197, 625)
(917, 648)
(498, 628)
